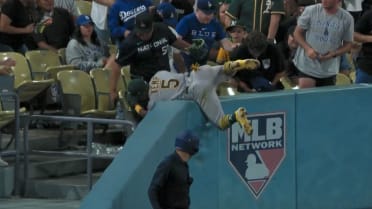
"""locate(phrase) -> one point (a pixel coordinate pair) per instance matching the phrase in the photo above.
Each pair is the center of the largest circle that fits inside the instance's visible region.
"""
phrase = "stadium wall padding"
(325, 162)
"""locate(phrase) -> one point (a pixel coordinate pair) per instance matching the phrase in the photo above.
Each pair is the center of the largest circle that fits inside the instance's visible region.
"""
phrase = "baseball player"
(200, 86)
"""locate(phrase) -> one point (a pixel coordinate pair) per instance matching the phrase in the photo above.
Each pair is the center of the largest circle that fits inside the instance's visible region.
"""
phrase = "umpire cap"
(188, 142)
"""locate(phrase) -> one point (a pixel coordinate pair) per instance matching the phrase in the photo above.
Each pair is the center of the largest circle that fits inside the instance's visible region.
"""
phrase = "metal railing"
(90, 121)
(7, 96)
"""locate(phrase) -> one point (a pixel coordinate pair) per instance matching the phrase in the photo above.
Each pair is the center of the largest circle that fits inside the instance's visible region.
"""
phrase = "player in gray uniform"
(200, 85)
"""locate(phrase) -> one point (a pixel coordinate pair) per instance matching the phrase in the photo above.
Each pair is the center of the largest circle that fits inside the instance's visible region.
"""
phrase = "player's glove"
(198, 50)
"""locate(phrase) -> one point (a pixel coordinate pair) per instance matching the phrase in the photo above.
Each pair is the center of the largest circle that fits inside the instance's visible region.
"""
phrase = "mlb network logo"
(256, 158)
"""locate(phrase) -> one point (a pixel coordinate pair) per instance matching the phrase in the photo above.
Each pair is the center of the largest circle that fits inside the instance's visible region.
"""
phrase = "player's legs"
(212, 108)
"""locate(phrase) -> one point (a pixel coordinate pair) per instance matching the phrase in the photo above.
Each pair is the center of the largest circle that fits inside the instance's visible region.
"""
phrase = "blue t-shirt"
(123, 13)
(190, 28)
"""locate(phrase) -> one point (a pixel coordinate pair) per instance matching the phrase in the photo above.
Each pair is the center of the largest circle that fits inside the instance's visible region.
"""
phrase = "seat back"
(62, 55)
(78, 84)
(83, 7)
(342, 79)
(40, 60)
(21, 70)
(101, 80)
(125, 73)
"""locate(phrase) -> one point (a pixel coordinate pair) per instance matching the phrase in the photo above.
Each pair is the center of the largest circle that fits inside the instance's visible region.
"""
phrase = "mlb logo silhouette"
(256, 158)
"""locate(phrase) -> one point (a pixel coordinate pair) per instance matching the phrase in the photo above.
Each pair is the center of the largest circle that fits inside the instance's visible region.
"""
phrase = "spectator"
(168, 15)
(68, 5)
(354, 7)
(223, 6)
(183, 7)
(288, 50)
(363, 34)
(263, 16)
(237, 33)
(171, 182)
(122, 15)
(55, 26)
(202, 24)
(99, 15)
(145, 50)
(267, 76)
(16, 24)
(85, 50)
(324, 33)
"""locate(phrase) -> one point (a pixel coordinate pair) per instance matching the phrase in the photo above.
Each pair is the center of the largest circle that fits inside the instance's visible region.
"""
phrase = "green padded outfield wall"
(311, 149)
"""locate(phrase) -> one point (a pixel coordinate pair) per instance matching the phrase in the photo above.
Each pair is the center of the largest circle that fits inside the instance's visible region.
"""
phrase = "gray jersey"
(324, 33)
(165, 85)
(199, 86)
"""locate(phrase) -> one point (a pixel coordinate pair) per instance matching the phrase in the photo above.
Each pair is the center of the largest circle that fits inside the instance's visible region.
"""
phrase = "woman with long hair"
(85, 50)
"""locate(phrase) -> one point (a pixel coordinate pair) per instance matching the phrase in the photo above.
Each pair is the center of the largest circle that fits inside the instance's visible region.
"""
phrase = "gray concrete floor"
(21, 203)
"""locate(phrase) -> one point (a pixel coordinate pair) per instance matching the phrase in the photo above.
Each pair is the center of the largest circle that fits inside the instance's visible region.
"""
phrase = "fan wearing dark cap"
(170, 185)
(258, 15)
(145, 50)
(203, 24)
(237, 32)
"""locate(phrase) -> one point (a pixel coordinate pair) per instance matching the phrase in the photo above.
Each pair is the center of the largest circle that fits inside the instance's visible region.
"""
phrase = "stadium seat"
(342, 79)
(113, 49)
(287, 83)
(79, 96)
(62, 55)
(226, 89)
(125, 72)
(83, 7)
(40, 60)
(24, 85)
(352, 76)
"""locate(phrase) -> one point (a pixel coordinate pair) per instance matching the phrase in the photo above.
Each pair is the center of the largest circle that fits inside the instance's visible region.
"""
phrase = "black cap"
(143, 23)
(235, 24)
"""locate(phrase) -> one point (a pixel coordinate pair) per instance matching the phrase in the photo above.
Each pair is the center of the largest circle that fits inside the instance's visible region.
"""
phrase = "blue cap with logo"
(188, 142)
(168, 12)
(84, 20)
(207, 6)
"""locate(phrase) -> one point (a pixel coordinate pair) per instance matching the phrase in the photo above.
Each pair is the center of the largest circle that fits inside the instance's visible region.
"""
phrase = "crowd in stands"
(307, 41)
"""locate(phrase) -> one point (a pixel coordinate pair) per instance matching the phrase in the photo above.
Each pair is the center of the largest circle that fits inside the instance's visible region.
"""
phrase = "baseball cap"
(207, 6)
(84, 20)
(234, 24)
(168, 13)
(143, 23)
(188, 142)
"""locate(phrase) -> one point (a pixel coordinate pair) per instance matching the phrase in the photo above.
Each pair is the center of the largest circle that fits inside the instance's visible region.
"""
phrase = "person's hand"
(29, 28)
(311, 53)
(326, 56)
(9, 62)
(113, 97)
(126, 33)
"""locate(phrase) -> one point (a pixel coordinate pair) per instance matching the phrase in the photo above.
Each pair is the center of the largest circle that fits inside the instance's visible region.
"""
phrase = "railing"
(5, 97)
(90, 132)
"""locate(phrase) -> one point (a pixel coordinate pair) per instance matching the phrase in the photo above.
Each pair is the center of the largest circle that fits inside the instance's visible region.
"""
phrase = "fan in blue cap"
(170, 185)
(187, 142)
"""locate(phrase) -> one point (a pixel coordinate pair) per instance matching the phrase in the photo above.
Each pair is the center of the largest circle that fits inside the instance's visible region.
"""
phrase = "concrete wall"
(323, 159)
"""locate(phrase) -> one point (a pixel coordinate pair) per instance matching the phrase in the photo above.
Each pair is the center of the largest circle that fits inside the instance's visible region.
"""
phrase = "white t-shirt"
(324, 33)
(99, 15)
(353, 5)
